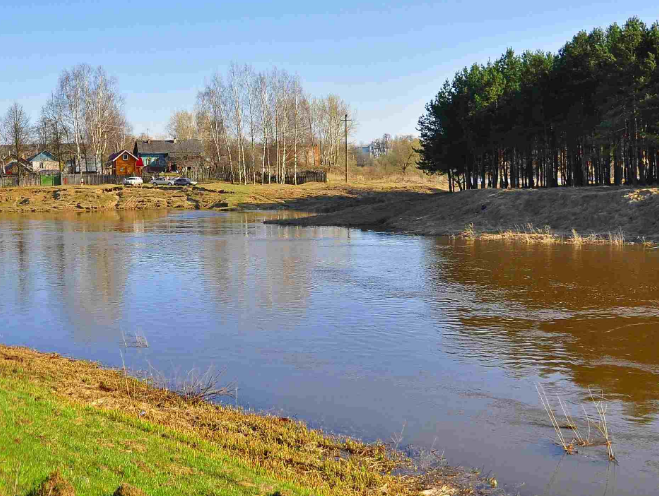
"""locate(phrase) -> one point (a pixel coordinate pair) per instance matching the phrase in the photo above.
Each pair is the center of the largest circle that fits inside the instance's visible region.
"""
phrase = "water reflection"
(591, 313)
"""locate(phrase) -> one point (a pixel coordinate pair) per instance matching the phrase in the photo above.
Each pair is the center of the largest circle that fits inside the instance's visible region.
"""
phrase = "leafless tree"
(233, 114)
(16, 129)
(265, 121)
(182, 125)
(103, 115)
(56, 132)
(212, 115)
(72, 89)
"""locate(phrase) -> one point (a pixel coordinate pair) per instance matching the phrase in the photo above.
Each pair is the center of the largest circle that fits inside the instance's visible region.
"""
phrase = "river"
(436, 341)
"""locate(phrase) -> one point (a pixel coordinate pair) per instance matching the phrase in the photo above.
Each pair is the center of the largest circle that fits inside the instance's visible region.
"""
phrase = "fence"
(195, 175)
(231, 176)
(24, 180)
(93, 179)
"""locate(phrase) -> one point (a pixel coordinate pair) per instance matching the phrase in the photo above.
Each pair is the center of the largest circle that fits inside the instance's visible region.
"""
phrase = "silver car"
(163, 181)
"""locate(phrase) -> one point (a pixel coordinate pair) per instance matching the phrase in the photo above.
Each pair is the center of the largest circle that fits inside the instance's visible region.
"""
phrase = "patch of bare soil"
(55, 485)
(128, 490)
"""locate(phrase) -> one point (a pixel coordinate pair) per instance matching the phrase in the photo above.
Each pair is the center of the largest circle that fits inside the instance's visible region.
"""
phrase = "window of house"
(125, 156)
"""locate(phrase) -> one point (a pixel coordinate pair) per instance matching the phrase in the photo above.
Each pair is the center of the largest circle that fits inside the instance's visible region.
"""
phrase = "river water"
(363, 333)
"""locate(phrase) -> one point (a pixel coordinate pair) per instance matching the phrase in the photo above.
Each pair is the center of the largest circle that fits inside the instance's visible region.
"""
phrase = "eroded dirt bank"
(101, 198)
(602, 210)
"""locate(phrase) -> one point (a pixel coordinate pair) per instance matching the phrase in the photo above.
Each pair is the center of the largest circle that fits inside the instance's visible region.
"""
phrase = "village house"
(124, 163)
(169, 155)
(87, 165)
(12, 166)
(44, 163)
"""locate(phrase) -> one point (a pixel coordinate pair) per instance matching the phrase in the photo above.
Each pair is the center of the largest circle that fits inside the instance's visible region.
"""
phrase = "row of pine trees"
(588, 115)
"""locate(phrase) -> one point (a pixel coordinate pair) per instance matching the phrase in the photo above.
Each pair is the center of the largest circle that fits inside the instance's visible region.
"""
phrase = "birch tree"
(72, 88)
(102, 112)
(16, 129)
(182, 125)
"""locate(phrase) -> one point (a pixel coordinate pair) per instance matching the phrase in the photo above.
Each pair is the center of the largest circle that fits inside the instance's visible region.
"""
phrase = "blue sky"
(387, 59)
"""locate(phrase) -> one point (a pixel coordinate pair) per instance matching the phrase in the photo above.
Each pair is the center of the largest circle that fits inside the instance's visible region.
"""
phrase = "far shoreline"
(590, 215)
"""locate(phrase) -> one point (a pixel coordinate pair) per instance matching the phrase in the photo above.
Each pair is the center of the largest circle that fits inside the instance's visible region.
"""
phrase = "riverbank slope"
(599, 211)
(100, 428)
(310, 197)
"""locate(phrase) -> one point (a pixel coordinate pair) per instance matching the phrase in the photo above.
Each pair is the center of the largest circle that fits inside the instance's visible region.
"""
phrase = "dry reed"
(602, 425)
(532, 235)
(579, 440)
(568, 447)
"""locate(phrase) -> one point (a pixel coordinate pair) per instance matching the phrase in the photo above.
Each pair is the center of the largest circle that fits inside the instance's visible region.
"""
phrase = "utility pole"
(345, 120)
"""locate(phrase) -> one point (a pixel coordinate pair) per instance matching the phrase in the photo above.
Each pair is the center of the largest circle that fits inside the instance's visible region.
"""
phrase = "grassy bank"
(574, 215)
(99, 428)
(311, 197)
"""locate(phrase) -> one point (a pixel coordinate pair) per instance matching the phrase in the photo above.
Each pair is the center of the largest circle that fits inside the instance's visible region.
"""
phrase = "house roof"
(115, 156)
(43, 156)
(191, 146)
(22, 162)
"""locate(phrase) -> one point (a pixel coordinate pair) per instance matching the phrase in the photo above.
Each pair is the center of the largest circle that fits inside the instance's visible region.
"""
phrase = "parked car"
(163, 181)
(133, 181)
(184, 181)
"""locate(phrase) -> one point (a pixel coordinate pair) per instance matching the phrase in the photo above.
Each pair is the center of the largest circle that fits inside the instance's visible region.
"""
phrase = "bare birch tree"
(182, 125)
(234, 114)
(71, 92)
(102, 112)
(212, 115)
(16, 129)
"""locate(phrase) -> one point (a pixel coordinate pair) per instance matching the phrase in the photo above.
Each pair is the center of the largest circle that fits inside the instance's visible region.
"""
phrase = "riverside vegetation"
(93, 429)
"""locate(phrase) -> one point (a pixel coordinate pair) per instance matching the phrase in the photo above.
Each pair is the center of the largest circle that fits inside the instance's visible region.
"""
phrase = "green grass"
(96, 450)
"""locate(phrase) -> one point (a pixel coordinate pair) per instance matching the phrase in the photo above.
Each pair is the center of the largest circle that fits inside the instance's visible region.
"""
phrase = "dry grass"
(531, 235)
(375, 175)
(505, 214)
(601, 425)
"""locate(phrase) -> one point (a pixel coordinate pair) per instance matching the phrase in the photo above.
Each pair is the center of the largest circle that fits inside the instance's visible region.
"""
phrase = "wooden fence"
(94, 179)
(230, 176)
(10, 181)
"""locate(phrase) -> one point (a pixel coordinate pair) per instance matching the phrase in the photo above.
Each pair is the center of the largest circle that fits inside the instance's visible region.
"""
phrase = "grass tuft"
(55, 485)
(600, 424)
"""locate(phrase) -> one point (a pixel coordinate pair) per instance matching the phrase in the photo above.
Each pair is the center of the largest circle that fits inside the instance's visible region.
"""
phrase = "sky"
(386, 59)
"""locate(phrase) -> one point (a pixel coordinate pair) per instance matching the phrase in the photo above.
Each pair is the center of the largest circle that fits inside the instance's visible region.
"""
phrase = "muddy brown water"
(363, 333)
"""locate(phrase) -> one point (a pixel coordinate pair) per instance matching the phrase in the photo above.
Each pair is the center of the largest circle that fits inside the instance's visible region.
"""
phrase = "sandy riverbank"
(602, 213)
